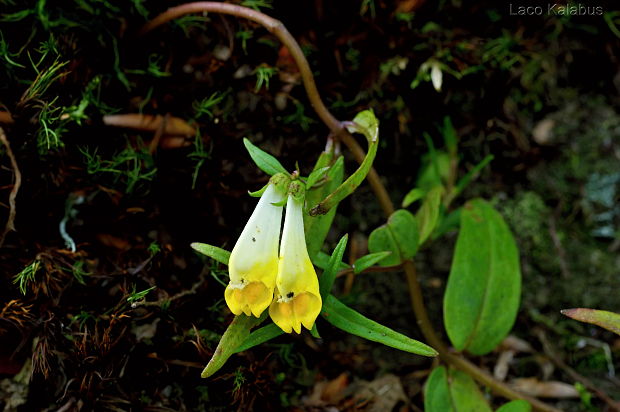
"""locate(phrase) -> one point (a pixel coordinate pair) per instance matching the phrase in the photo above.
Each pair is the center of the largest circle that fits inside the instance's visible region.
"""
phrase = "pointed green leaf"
(214, 252)
(315, 176)
(428, 214)
(347, 319)
(317, 227)
(326, 282)
(259, 336)
(315, 332)
(399, 236)
(236, 333)
(453, 391)
(435, 170)
(265, 162)
(484, 287)
(367, 124)
(259, 192)
(518, 405)
(448, 223)
(465, 180)
(367, 261)
(321, 260)
(449, 135)
(602, 318)
(414, 195)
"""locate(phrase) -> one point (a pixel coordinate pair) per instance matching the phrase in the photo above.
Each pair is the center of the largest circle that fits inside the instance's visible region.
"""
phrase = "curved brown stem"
(337, 130)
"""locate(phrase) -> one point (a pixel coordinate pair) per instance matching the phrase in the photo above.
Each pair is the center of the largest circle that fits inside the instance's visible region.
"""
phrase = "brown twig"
(177, 296)
(552, 354)
(557, 243)
(337, 130)
(10, 223)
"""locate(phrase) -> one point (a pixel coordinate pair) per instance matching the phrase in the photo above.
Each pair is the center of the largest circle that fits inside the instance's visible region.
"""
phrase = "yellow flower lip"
(297, 299)
(253, 263)
(251, 299)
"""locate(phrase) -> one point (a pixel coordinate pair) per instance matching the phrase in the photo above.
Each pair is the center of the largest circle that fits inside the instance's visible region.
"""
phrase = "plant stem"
(337, 129)
(10, 223)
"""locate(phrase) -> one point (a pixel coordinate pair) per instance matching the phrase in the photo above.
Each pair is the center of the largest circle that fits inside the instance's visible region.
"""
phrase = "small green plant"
(205, 106)
(26, 276)
(130, 166)
(299, 117)
(199, 156)
(244, 36)
(263, 75)
(136, 297)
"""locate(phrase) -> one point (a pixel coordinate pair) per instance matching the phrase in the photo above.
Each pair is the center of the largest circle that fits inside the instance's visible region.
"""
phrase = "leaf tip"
(569, 312)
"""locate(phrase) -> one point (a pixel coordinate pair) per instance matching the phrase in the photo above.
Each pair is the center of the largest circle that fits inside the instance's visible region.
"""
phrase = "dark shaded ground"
(80, 344)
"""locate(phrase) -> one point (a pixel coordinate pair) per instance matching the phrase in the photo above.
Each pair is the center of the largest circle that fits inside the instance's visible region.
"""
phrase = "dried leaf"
(541, 389)
(151, 123)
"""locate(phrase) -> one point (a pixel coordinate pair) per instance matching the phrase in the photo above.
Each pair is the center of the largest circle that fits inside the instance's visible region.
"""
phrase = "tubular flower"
(297, 300)
(253, 263)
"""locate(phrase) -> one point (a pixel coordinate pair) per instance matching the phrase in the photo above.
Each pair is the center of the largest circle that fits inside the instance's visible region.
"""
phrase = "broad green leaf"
(326, 282)
(518, 405)
(236, 333)
(429, 213)
(317, 227)
(259, 336)
(602, 318)
(321, 260)
(452, 391)
(214, 252)
(367, 261)
(414, 195)
(347, 319)
(437, 392)
(465, 393)
(367, 124)
(265, 162)
(399, 236)
(484, 287)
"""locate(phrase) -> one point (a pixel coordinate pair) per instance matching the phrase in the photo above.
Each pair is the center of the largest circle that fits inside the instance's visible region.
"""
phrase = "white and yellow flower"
(253, 263)
(297, 300)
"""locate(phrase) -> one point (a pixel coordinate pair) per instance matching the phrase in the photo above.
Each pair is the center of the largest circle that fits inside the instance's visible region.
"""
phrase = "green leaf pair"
(450, 390)
(399, 236)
